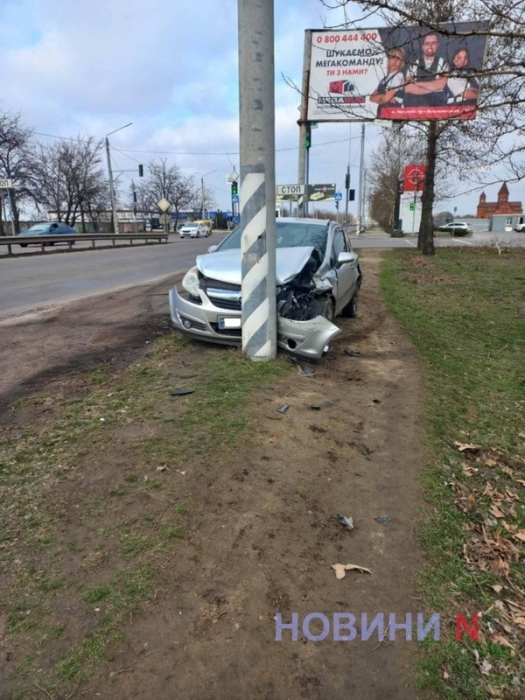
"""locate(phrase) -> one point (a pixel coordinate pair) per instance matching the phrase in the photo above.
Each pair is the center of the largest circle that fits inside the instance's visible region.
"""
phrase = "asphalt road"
(38, 282)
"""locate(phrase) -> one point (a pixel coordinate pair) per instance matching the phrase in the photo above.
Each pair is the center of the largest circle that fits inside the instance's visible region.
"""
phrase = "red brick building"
(502, 206)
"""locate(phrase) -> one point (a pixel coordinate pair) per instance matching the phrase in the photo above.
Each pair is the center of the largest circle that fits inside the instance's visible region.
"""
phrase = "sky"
(74, 67)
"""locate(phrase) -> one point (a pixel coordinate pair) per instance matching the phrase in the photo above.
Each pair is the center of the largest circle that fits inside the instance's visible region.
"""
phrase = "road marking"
(410, 243)
(461, 242)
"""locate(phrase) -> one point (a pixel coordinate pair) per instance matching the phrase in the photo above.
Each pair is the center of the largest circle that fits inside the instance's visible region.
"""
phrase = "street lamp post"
(202, 190)
(110, 172)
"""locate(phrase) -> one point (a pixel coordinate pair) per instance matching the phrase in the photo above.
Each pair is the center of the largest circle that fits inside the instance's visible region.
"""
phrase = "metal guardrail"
(49, 241)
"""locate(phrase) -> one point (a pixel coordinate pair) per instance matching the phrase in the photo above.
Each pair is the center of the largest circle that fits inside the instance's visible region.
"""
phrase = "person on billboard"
(389, 92)
(426, 81)
(462, 86)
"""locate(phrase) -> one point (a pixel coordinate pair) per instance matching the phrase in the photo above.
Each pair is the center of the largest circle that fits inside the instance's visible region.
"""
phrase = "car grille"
(222, 294)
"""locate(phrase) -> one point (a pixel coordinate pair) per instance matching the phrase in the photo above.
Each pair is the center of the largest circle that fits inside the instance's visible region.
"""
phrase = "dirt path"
(269, 534)
(263, 523)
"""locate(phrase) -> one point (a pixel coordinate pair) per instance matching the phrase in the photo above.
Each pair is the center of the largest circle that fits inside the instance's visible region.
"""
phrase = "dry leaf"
(491, 463)
(471, 500)
(463, 448)
(469, 471)
(163, 468)
(498, 589)
(521, 481)
(520, 535)
(486, 667)
(445, 675)
(341, 569)
(500, 639)
(496, 512)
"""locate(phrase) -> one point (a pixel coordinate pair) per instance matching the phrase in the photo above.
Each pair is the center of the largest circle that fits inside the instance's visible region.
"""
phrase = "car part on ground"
(318, 277)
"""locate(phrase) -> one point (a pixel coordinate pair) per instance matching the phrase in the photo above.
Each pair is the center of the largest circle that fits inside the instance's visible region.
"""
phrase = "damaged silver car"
(318, 278)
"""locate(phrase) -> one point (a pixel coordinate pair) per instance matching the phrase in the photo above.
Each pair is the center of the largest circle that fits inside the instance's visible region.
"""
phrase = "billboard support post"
(303, 118)
(257, 185)
(360, 207)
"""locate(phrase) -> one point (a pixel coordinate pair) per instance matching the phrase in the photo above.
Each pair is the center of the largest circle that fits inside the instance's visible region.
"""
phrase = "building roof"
(504, 189)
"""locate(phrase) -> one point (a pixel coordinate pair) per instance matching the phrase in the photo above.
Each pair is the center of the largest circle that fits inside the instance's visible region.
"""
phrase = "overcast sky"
(170, 67)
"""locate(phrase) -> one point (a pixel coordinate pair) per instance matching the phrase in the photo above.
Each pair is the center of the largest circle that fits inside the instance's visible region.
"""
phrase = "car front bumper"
(305, 339)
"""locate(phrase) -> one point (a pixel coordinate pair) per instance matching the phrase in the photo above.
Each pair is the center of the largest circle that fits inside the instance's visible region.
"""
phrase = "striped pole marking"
(255, 303)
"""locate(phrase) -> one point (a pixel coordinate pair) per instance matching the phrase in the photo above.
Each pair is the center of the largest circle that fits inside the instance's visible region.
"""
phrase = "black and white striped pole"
(257, 190)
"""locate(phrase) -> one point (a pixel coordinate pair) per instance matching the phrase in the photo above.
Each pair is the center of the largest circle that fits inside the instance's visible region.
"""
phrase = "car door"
(347, 273)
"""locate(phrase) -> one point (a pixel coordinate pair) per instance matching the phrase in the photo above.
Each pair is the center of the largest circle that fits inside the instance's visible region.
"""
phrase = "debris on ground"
(351, 353)
(383, 521)
(315, 407)
(182, 392)
(341, 569)
(284, 408)
(376, 401)
(348, 523)
(306, 371)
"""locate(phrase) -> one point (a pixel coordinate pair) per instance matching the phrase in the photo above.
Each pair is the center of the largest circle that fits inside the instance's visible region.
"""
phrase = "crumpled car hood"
(225, 266)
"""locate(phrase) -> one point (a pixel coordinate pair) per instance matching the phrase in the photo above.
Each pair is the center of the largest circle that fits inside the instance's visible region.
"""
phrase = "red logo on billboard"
(414, 177)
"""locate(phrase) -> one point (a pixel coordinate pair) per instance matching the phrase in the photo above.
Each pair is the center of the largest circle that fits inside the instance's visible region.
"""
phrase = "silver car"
(193, 230)
(318, 278)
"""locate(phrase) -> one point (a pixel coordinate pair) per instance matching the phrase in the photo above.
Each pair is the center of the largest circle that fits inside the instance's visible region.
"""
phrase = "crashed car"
(318, 277)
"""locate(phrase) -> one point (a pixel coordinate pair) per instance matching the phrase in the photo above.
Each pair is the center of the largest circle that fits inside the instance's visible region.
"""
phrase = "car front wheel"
(325, 308)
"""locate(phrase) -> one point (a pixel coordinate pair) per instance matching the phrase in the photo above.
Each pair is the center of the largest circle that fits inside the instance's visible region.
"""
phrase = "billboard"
(396, 73)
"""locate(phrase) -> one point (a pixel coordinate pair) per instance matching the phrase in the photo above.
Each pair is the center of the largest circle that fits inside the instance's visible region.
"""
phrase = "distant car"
(194, 230)
(520, 227)
(458, 228)
(47, 228)
(206, 222)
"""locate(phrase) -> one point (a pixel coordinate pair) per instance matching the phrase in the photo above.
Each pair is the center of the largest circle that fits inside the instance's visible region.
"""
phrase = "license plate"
(231, 322)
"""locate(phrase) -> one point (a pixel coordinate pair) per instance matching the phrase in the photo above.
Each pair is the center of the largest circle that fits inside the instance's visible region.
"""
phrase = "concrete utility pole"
(110, 173)
(257, 192)
(111, 190)
(360, 207)
(305, 88)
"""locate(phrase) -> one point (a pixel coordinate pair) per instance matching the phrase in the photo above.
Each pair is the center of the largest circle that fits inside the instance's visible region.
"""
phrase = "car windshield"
(38, 227)
(191, 225)
(289, 234)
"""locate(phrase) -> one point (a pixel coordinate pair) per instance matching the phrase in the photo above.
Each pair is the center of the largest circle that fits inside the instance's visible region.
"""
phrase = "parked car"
(457, 228)
(520, 228)
(47, 228)
(193, 229)
(318, 278)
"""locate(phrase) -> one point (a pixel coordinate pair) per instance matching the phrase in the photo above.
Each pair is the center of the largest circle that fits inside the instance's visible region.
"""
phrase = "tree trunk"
(2, 202)
(425, 240)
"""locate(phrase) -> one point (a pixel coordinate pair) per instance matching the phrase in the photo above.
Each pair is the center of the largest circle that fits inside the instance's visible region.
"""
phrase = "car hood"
(225, 266)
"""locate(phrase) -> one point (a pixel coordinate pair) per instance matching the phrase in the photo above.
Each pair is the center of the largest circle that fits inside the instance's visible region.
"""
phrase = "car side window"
(339, 243)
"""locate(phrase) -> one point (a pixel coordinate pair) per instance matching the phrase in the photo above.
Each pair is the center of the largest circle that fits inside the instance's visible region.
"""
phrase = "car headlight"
(191, 282)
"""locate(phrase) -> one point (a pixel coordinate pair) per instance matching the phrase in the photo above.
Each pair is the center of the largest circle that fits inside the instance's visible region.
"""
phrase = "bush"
(396, 233)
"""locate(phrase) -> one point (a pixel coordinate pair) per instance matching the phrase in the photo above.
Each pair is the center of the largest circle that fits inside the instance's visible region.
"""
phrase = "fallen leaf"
(496, 512)
(179, 471)
(445, 675)
(521, 481)
(498, 589)
(163, 468)
(486, 667)
(341, 569)
(520, 535)
(500, 639)
(463, 448)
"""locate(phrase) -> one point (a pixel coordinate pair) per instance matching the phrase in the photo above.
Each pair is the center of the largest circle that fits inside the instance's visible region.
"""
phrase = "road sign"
(163, 204)
(338, 196)
(414, 179)
(6, 184)
(289, 189)
(235, 198)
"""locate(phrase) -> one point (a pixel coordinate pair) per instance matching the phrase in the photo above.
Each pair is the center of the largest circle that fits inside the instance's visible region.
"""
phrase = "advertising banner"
(401, 73)
(320, 193)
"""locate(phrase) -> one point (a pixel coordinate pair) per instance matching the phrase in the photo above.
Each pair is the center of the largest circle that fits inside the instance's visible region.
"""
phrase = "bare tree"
(166, 181)
(67, 179)
(15, 163)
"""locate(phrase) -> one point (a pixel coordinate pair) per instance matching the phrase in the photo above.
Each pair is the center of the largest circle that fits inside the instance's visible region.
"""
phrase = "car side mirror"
(346, 258)
(212, 248)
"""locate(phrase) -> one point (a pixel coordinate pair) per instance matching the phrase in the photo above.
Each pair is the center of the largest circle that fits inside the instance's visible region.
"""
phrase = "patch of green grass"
(173, 533)
(95, 595)
(132, 546)
(57, 631)
(464, 310)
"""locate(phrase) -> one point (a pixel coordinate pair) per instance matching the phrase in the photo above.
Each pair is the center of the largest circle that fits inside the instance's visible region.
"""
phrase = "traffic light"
(351, 195)
(308, 139)
(141, 170)
(235, 189)
(411, 206)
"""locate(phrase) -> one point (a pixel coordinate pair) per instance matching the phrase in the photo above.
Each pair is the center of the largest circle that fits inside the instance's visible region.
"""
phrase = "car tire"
(351, 309)
(324, 307)
(23, 245)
